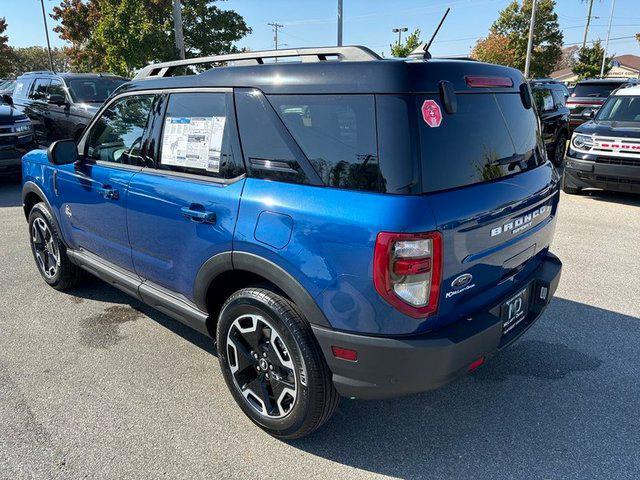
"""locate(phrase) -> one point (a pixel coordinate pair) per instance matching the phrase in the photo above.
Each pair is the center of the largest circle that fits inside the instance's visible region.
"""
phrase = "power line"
(275, 27)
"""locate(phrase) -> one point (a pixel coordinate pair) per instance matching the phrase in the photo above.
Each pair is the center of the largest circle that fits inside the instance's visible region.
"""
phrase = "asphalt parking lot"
(97, 385)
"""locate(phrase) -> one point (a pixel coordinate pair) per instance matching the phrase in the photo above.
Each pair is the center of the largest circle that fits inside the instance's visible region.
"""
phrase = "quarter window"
(198, 136)
(117, 135)
(337, 133)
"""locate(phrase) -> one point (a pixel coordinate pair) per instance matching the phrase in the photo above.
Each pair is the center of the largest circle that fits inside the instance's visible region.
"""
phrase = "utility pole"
(399, 31)
(339, 23)
(275, 27)
(586, 27)
(606, 43)
(177, 28)
(46, 31)
(532, 25)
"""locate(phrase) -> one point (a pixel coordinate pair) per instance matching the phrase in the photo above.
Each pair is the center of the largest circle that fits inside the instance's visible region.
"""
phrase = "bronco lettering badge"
(520, 224)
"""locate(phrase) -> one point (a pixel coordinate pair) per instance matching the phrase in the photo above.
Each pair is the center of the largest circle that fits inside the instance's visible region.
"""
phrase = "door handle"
(109, 193)
(197, 213)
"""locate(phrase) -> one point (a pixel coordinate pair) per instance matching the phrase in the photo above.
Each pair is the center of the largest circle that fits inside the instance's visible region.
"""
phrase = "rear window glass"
(93, 90)
(597, 90)
(337, 133)
(489, 137)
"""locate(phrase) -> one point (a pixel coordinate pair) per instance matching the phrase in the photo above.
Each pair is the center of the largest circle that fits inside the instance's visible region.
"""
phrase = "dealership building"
(622, 66)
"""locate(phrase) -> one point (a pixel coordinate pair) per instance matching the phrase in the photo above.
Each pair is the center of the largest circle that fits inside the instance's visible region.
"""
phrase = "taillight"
(406, 271)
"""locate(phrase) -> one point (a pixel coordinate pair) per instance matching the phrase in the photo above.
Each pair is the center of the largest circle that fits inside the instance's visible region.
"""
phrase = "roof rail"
(40, 72)
(342, 54)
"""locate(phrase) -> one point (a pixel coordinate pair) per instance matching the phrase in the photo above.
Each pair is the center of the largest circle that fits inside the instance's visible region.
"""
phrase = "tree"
(404, 49)
(494, 49)
(121, 36)
(5, 50)
(29, 59)
(513, 24)
(590, 62)
(568, 58)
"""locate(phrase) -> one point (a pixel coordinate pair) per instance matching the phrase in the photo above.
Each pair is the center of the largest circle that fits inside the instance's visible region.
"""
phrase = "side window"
(21, 88)
(39, 89)
(543, 99)
(198, 136)
(117, 135)
(558, 98)
(266, 151)
(337, 134)
(56, 88)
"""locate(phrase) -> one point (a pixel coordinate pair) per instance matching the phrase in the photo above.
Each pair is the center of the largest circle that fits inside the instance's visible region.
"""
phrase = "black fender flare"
(32, 187)
(249, 262)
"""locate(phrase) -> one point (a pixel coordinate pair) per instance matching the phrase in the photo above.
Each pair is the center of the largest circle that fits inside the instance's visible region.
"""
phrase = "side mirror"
(6, 98)
(56, 99)
(63, 152)
(589, 114)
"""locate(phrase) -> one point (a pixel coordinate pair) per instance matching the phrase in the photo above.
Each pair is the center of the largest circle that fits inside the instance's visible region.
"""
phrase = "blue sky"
(369, 22)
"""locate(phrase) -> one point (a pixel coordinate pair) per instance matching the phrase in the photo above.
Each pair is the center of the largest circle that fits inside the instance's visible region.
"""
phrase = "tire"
(559, 149)
(273, 325)
(50, 255)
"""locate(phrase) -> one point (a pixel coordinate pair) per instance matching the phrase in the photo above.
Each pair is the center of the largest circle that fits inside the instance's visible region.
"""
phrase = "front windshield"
(93, 90)
(621, 108)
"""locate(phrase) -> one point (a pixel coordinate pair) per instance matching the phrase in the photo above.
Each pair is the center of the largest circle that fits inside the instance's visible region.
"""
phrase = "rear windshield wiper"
(516, 158)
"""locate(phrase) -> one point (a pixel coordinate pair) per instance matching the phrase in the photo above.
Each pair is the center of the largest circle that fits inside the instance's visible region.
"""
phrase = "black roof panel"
(378, 76)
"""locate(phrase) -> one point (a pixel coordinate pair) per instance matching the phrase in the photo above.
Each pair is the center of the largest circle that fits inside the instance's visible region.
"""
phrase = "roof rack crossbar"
(343, 54)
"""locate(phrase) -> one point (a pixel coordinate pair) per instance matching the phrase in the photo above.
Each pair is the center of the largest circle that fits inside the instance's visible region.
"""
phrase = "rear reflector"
(412, 266)
(476, 364)
(477, 81)
(345, 353)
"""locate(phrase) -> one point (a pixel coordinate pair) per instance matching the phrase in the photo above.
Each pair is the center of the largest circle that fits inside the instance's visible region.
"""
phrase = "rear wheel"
(49, 252)
(273, 365)
(560, 149)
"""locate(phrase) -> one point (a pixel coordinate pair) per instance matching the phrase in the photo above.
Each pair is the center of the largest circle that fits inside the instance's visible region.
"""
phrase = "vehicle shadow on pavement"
(613, 197)
(10, 192)
(102, 329)
(546, 407)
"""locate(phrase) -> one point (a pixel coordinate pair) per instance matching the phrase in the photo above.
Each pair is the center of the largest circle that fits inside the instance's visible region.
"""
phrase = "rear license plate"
(514, 310)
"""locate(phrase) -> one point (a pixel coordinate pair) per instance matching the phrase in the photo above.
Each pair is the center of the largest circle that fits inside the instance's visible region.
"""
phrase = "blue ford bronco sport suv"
(340, 224)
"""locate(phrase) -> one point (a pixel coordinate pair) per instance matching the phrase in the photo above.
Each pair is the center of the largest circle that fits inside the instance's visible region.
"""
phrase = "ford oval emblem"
(462, 280)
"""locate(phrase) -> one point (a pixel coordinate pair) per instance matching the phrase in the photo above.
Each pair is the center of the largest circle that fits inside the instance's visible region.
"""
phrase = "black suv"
(550, 99)
(16, 136)
(62, 105)
(589, 95)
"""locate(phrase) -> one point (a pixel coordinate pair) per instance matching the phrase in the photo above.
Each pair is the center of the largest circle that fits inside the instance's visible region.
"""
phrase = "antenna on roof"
(423, 50)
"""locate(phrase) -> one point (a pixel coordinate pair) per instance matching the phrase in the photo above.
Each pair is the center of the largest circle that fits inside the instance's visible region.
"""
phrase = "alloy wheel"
(261, 366)
(45, 248)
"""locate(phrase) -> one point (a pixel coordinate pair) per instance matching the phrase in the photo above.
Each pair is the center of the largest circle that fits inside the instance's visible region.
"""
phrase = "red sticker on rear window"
(431, 113)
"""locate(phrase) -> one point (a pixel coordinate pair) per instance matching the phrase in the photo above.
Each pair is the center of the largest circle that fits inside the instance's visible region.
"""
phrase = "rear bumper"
(391, 367)
(590, 174)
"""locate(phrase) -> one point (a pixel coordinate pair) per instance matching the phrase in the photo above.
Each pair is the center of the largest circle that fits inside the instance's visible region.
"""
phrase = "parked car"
(16, 136)
(61, 105)
(357, 227)
(589, 95)
(6, 87)
(550, 98)
(605, 152)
